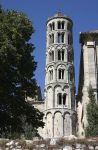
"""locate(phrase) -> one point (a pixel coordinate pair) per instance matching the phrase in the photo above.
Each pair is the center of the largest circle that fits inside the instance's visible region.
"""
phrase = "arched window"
(59, 25)
(50, 27)
(50, 75)
(53, 26)
(59, 55)
(71, 76)
(62, 37)
(63, 23)
(63, 54)
(52, 38)
(61, 74)
(69, 56)
(49, 56)
(52, 55)
(64, 99)
(59, 38)
(59, 98)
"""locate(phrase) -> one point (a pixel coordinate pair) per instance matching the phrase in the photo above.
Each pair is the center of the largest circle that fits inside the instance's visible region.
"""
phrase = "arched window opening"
(59, 25)
(59, 55)
(49, 57)
(62, 37)
(59, 38)
(69, 56)
(71, 76)
(63, 23)
(68, 39)
(50, 27)
(59, 98)
(53, 26)
(62, 54)
(52, 55)
(61, 74)
(64, 99)
(51, 75)
(52, 39)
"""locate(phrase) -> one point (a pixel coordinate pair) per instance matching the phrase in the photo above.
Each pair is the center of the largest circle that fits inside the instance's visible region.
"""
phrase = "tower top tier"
(59, 15)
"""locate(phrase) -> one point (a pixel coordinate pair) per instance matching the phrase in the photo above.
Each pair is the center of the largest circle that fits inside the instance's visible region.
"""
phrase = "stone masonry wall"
(48, 144)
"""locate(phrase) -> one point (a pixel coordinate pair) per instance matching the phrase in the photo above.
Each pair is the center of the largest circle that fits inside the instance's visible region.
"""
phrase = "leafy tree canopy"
(17, 68)
(92, 115)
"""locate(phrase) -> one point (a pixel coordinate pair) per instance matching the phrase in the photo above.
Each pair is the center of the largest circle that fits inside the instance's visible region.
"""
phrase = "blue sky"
(84, 14)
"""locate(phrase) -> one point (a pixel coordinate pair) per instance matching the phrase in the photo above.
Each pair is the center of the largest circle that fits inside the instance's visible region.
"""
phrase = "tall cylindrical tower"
(59, 78)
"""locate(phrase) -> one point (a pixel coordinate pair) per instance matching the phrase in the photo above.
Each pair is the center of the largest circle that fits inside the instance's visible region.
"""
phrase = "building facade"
(59, 78)
(88, 76)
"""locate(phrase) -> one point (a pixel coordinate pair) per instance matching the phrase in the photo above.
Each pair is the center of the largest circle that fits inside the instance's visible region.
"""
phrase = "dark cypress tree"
(92, 115)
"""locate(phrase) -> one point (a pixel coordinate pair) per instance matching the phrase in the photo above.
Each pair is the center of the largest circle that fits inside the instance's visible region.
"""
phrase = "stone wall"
(48, 144)
(88, 76)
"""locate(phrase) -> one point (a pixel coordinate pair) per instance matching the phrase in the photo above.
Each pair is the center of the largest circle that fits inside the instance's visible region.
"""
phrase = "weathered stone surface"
(59, 79)
(88, 75)
(50, 144)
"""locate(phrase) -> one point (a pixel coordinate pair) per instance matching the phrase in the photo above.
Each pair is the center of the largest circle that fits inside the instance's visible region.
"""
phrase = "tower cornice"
(60, 16)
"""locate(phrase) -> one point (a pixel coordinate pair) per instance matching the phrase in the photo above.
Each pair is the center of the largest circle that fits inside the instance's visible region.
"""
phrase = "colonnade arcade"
(57, 119)
(59, 53)
(59, 37)
(59, 73)
(58, 96)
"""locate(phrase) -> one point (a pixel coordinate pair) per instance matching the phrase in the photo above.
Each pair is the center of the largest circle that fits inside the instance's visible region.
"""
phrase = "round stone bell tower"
(59, 78)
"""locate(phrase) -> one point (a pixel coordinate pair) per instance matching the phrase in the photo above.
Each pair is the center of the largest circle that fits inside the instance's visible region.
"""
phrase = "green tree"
(92, 115)
(17, 68)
